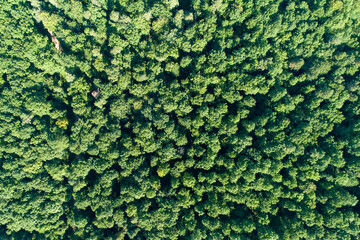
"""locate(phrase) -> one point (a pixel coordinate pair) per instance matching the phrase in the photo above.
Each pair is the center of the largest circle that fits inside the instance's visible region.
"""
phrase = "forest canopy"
(179, 119)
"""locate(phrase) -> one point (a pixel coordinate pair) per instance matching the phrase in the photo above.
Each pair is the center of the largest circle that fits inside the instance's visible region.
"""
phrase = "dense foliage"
(179, 119)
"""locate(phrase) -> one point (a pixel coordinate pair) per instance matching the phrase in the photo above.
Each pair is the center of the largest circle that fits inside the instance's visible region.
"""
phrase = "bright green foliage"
(179, 119)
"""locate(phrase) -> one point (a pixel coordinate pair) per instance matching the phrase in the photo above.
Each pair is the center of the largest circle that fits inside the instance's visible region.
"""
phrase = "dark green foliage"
(232, 119)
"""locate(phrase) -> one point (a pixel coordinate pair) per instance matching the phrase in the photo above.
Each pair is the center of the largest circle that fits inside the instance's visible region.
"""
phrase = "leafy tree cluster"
(179, 119)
